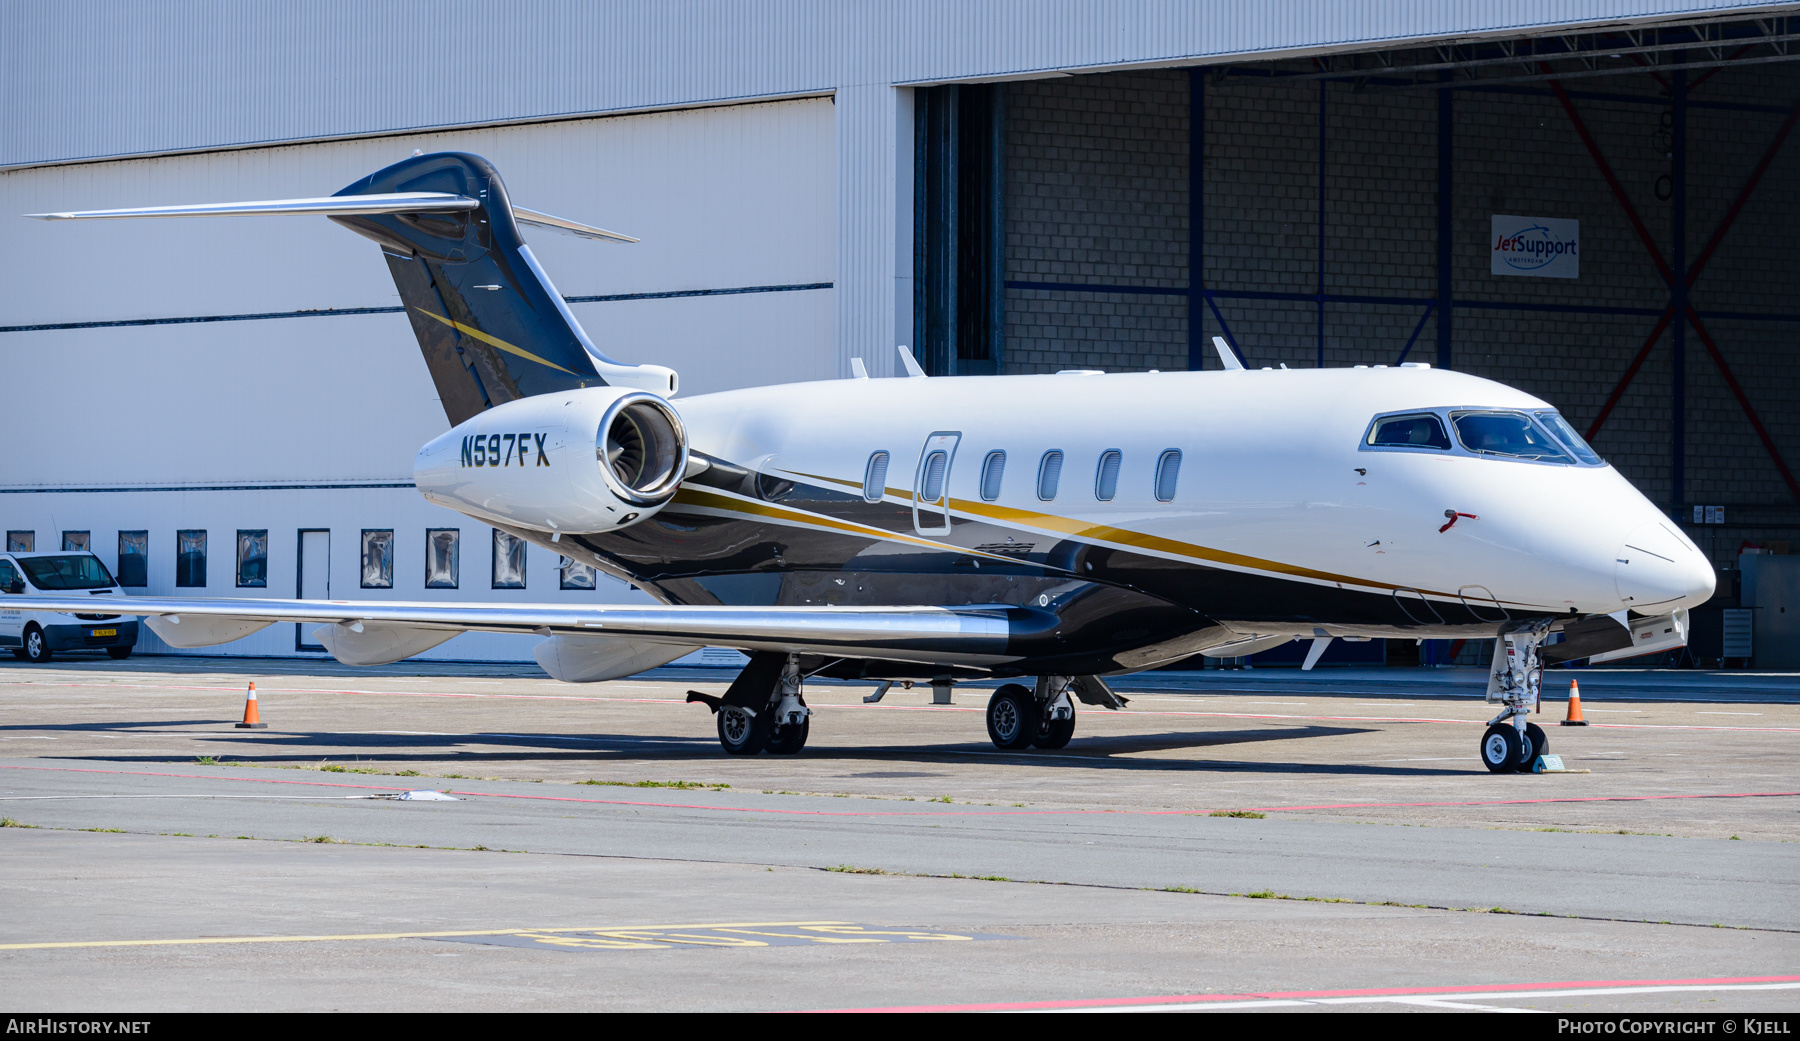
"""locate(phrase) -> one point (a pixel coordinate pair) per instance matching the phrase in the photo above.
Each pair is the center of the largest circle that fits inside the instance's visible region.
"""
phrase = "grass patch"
(1250, 814)
(941, 798)
(323, 838)
(407, 773)
(206, 760)
(1179, 889)
(852, 869)
(8, 822)
(115, 831)
(1264, 894)
(683, 785)
(992, 878)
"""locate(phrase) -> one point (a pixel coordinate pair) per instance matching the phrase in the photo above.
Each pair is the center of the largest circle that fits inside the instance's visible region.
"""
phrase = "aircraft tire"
(1536, 743)
(1012, 717)
(1054, 733)
(788, 740)
(1500, 748)
(741, 733)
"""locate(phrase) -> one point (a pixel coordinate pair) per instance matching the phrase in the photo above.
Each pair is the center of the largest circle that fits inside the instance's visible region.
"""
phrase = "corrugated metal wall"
(96, 79)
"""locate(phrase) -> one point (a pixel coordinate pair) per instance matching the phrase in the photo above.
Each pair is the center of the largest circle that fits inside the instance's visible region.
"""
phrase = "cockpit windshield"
(1507, 433)
(1421, 431)
(1567, 435)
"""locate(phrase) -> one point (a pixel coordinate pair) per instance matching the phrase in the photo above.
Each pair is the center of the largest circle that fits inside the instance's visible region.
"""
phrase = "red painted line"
(1276, 995)
(1523, 802)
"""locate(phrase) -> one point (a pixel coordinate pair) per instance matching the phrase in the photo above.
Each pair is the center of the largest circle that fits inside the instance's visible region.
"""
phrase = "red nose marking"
(1452, 514)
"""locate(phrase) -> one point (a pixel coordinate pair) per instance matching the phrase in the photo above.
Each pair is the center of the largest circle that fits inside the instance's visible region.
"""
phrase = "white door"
(315, 581)
(12, 622)
(931, 485)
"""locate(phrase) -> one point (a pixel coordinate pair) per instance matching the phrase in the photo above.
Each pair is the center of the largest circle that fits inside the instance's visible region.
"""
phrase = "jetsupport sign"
(1543, 246)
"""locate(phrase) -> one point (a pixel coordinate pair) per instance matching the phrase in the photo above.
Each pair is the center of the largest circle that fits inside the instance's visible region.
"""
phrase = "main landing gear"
(1044, 717)
(764, 710)
(1511, 743)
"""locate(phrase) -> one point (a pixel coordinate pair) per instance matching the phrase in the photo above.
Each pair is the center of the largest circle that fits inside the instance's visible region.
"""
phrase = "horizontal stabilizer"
(336, 205)
(562, 224)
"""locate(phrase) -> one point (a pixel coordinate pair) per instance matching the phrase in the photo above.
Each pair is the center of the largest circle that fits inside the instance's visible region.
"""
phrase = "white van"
(36, 635)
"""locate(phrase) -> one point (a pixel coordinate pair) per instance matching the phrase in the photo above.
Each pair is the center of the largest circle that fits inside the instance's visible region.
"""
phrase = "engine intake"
(580, 461)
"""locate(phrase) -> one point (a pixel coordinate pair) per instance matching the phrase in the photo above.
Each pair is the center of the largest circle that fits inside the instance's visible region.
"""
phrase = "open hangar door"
(1606, 219)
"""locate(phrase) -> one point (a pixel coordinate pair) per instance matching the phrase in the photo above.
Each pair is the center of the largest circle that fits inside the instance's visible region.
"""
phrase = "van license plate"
(103, 632)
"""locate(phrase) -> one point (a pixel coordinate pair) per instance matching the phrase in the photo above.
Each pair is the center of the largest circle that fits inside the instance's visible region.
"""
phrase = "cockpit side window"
(1567, 435)
(1507, 433)
(1418, 431)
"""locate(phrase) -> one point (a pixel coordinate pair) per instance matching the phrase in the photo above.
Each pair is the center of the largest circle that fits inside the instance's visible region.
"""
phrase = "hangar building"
(1594, 200)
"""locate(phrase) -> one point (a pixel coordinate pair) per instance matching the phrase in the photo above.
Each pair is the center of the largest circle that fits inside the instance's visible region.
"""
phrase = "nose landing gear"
(1512, 744)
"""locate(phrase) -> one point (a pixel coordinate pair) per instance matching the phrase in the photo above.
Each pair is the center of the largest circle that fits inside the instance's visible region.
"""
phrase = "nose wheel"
(1511, 744)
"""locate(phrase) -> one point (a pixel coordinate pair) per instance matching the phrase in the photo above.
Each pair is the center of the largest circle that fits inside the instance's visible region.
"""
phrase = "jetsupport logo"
(1547, 247)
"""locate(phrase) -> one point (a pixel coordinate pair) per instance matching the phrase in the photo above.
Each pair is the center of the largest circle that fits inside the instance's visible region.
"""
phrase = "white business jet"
(1056, 529)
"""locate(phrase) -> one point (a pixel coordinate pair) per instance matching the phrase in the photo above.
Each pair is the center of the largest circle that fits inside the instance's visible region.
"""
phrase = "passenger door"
(931, 484)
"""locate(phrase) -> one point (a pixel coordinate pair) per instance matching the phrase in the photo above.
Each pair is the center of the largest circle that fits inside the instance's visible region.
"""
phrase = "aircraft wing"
(373, 632)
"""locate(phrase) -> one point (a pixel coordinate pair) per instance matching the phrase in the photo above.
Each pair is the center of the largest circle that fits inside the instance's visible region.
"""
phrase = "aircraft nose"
(1658, 571)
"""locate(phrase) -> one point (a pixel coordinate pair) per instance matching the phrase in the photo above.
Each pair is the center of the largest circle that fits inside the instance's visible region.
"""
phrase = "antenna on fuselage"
(1227, 357)
(910, 363)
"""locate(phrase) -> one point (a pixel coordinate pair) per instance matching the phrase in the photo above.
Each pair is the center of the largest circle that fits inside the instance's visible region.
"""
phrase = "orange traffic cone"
(251, 720)
(1574, 716)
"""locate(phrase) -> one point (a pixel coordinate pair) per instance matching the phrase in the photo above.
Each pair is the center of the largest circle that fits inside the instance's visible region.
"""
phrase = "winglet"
(910, 363)
(1227, 357)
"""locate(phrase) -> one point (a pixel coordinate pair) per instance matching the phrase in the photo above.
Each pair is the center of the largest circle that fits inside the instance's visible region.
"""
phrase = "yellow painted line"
(495, 341)
(203, 940)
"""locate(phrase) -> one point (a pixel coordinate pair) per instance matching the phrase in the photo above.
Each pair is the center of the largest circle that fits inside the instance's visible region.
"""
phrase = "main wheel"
(1500, 748)
(786, 740)
(1055, 733)
(1012, 717)
(118, 653)
(1536, 743)
(37, 647)
(740, 732)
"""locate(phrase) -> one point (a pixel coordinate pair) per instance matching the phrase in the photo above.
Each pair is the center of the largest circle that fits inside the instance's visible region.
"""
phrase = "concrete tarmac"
(1387, 870)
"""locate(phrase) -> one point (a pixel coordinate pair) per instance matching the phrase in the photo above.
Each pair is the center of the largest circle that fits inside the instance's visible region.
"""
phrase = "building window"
(875, 477)
(21, 541)
(253, 559)
(76, 542)
(190, 559)
(134, 559)
(443, 549)
(509, 561)
(993, 468)
(576, 575)
(378, 558)
(1106, 478)
(1168, 472)
(1049, 474)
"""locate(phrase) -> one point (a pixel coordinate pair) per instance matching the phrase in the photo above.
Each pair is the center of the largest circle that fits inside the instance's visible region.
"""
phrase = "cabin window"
(875, 477)
(1049, 474)
(1168, 472)
(253, 559)
(1507, 433)
(993, 468)
(1571, 440)
(190, 559)
(509, 561)
(1106, 476)
(931, 489)
(378, 558)
(77, 542)
(134, 559)
(1419, 431)
(443, 550)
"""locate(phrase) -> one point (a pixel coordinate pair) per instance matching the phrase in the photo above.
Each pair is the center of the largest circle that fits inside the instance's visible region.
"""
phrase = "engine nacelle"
(579, 461)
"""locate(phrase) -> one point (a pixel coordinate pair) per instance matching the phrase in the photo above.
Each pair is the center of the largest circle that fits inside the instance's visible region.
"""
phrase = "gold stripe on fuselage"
(1089, 531)
(712, 498)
